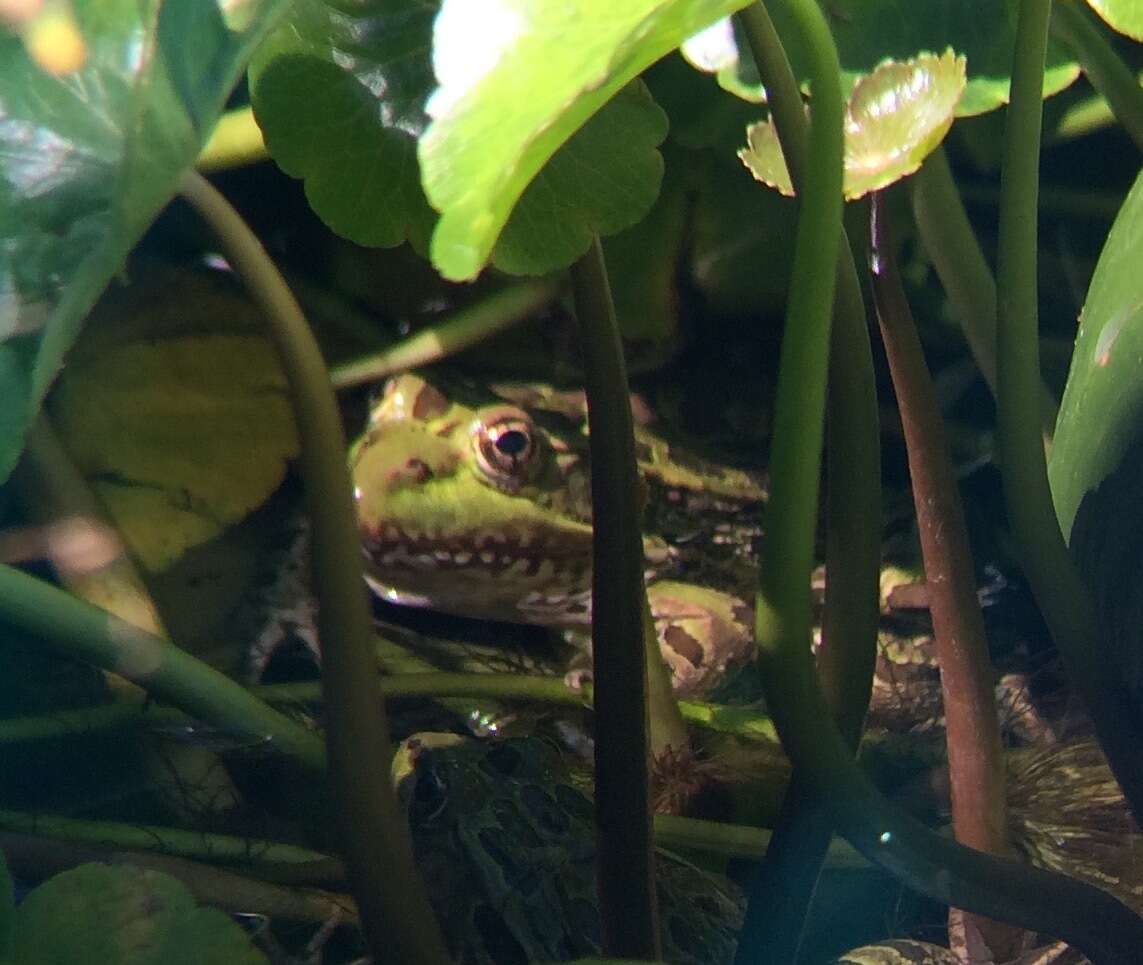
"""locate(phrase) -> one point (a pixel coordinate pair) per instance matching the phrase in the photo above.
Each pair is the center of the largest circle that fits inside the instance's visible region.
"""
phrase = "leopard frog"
(506, 845)
(481, 506)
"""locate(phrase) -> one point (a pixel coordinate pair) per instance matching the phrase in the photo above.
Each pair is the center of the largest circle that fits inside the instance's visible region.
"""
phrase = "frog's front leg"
(701, 633)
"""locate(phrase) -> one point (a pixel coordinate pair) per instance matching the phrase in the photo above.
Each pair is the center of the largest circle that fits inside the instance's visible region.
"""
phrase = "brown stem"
(976, 764)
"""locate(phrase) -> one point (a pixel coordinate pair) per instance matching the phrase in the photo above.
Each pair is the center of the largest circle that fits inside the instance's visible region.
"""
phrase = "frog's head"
(473, 508)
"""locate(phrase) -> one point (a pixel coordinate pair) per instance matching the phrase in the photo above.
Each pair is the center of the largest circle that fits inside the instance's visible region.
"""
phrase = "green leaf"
(1096, 464)
(174, 407)
(506, 103)
(894, 119)
(117, 915)
(339, 91)
(716, 51)
(1101, 414)
(88, 159)
(603, 180)
(869, 31)
(1124, 16)
(642, 265)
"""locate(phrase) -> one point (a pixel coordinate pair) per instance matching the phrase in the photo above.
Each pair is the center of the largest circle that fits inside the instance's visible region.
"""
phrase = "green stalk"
(1059, 590)
(952, 245)
(624, 859)
(216, 848)
(783, 887)
(741, 721)
(783, 605)
(1108, 74)
(85, 632)
(36, 857)
(454, 334)
(737, 841)
(972, 733)
(924, 860)
(398, 921)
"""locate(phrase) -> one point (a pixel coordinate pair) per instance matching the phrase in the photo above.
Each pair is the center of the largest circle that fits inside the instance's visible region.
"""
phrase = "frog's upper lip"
(460, 549)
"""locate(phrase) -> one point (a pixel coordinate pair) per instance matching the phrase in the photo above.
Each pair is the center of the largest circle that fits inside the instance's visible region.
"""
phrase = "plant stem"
(972, 734)
(86, 632)
(902, 845)
(1108, 74)
(454, 334)
(397, 921)
(783, 605)
(36, 857)
(1059, 590)
(951, 243)
(783, 887)
(624, 859)
(215, 848)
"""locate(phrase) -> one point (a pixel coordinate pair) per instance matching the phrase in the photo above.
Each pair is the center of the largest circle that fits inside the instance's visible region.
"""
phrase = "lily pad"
(117, 915)
(1123, 16)
(86, 161)
(508, 100)
(174, 407)
(894, 119)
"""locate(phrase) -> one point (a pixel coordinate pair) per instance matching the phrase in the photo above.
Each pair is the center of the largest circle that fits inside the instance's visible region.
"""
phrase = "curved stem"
(783, 887)
(1101, 65)
(972, 733)
(249, 853)
(87, 633)
(1059, 590)
(783, 606)
(398, 922)
(454, 334)
(951, 243)
(625, 863)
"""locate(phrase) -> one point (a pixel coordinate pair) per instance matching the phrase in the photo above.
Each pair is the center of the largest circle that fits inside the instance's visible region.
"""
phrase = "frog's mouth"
(500, 552)
(501, 575)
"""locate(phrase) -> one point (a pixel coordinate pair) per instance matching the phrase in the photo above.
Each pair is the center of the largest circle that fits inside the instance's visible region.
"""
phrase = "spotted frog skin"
(482, 507)
(506, 845)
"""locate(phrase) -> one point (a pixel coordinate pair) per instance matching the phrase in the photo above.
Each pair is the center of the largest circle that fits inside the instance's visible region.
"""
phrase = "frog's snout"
(411, 472)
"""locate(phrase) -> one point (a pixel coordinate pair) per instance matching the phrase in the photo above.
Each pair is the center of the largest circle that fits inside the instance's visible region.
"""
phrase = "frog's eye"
(505, 443)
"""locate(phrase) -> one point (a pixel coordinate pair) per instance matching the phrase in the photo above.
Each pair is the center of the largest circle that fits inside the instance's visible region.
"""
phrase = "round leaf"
(868, 32)
(339, 92)
(601, 181)
(175, 409)
(105, 915)
(517, 79)
(1124, 16)
(894, 118)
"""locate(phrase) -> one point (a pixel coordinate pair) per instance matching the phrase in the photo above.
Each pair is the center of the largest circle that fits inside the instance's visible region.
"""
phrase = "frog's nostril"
(411, 471)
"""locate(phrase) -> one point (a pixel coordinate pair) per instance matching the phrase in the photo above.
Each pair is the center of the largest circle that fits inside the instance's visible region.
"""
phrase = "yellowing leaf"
(181, 434)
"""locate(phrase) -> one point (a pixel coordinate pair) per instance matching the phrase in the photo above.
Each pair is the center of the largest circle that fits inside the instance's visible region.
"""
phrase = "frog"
(504, 838)
(477, 502)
